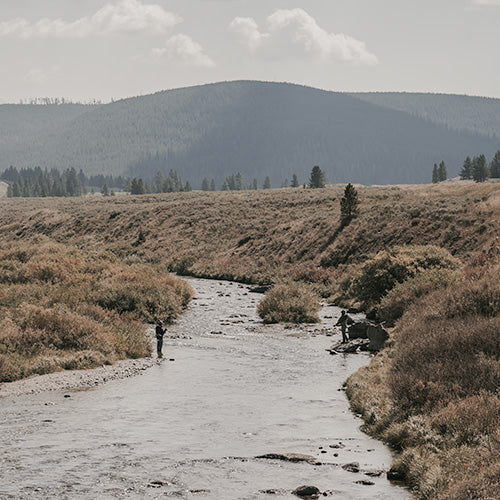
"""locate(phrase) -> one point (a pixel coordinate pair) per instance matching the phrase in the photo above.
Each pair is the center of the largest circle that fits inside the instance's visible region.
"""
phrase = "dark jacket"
(159, 332)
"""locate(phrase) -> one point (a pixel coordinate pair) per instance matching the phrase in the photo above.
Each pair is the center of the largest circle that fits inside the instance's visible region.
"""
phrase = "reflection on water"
(190, 428)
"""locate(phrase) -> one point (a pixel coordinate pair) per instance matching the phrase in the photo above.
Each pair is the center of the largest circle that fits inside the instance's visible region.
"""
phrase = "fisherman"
(343, 321)
(160, 331)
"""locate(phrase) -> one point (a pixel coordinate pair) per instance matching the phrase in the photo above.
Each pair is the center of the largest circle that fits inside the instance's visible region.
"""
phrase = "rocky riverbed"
(235, 410)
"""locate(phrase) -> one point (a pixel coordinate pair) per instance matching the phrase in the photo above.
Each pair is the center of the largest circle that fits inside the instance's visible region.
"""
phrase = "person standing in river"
(343, 321)
(160, 331)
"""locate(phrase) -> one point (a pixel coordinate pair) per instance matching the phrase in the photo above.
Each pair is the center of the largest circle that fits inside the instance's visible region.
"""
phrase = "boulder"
(372, 314)
(365, 482)
(377, 335)
(348, 347)
(359, 330)
(351, 467)
(307, 492)
(289, 457)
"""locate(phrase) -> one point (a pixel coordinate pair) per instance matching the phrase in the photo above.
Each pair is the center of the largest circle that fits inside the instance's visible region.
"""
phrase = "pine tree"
(435, 174)
(212, 185)
(480, 170)
(466, 172)
(255, 184)
(317, 178)
(495, 166)
(295, 181)
(349, 204)
(267, 183)
(238, 182)
(158, 182)
(187, 187)
(443, 174)
(137, 186)
(205, 184)
(105, 190)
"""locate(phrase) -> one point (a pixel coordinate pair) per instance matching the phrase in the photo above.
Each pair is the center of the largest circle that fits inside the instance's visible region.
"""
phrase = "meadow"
(427, 256)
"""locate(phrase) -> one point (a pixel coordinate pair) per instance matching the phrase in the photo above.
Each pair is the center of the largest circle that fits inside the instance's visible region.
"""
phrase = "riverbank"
(76, 379)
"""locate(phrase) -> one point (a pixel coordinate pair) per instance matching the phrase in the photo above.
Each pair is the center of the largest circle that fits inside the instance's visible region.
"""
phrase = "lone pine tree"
(349, 204)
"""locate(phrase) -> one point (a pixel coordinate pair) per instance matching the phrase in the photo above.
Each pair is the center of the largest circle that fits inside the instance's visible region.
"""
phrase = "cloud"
(296, 29)
(247, 30)
(487, 2)
(124, 16)
(183, 49)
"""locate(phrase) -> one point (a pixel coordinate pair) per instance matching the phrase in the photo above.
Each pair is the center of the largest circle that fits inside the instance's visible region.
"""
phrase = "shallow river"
(190, 428)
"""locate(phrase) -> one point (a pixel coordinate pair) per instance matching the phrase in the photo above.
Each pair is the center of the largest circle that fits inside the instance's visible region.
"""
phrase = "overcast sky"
(103, 49)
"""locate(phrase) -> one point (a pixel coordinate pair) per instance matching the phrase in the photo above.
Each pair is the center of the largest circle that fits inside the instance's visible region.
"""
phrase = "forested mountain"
(256, 128)
(480, 115)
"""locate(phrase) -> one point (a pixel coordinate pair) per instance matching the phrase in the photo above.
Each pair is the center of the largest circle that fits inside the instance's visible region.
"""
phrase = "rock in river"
(307, 492)
(289, 457)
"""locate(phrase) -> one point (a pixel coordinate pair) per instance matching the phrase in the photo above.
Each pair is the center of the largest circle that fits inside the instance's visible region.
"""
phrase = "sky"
(110, 49)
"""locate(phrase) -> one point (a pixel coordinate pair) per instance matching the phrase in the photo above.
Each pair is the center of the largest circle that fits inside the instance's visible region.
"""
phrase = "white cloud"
(183, 49)
(295, 28)
(487, 2)
(124, 16)
(247, 30)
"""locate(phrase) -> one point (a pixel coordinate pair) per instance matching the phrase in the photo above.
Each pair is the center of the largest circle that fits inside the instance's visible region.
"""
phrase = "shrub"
(381, 273)
(436, 362)
(469, 420)
(289, 302)
(394, 304)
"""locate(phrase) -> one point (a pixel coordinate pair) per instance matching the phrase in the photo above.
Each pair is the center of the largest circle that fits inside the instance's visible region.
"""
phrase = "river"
(228, 390)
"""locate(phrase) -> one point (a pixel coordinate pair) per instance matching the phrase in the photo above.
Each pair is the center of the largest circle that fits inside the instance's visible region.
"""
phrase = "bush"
(439, 361)
(145, 296)
(289, 303)
(404, 294)
(382, 273)
(64, 308)
(469, 420)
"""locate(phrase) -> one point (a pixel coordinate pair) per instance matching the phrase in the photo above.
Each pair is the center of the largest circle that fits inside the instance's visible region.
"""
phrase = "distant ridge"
(257, 128)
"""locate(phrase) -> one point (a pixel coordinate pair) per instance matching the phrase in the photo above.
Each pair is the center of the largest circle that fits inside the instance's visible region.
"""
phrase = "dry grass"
(432, 393)
(65, 308)
(289, 303)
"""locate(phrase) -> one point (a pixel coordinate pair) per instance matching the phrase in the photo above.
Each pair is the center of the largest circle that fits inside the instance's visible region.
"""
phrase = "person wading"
(160, 331)
(343, 321)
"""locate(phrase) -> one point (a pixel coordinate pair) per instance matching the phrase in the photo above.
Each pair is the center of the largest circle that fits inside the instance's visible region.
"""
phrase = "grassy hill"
(256, 128)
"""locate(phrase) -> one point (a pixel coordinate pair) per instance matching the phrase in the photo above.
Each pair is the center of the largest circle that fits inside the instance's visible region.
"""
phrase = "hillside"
(256, 128)
(479, 115)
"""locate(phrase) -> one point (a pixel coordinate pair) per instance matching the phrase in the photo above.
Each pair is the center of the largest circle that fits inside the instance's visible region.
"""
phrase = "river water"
(229, 389)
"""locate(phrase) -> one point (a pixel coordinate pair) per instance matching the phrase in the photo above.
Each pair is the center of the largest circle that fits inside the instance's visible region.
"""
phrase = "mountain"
(256, 128)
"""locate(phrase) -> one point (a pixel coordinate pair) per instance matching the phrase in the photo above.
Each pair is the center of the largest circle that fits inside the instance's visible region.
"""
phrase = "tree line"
(38, 182)
(35, 182)
(476, 168)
